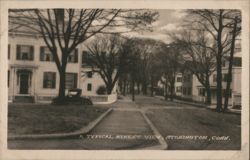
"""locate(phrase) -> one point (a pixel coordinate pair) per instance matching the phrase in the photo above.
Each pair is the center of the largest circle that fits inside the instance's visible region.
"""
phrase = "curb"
(163, 144)
(83, 130)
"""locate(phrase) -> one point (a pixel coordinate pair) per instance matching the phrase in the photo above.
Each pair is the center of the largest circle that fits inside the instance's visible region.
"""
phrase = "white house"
(33, 75)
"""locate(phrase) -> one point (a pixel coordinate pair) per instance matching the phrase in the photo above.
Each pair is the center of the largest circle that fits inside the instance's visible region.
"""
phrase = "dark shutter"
(18, 53)
(31, 52)
(41, 53)
(75, 80)
(8, 51)
(76, 56)
(54, 80)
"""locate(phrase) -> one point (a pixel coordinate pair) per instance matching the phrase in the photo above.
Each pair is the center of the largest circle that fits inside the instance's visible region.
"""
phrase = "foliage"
(101, 90)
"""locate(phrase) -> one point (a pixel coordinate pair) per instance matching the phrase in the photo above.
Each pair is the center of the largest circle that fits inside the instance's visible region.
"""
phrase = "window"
(184, 91)
(179, 79)
(49, 80)
(223, 63)
(187, 78)
(73, 57)
(89, 87)
(71, 80)
(224, 92)
(214, 78)
(237, 62)
(86, 59)
(178, 89)
(201, 91)
(45, 54)
(8, 51)
(25, 52)
(189, 91)
(89, 74)
(225, 77)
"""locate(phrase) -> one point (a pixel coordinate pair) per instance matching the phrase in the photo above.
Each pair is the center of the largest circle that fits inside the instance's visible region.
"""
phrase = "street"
(125, 128)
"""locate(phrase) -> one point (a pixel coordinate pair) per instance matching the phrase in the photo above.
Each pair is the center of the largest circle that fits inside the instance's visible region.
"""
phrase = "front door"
(24, 83)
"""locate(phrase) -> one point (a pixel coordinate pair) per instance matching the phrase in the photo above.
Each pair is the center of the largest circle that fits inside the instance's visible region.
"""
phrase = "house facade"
(188, 86)
(33, 74)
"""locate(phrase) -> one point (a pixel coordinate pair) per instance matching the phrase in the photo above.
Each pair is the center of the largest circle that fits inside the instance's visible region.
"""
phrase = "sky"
(168, 21)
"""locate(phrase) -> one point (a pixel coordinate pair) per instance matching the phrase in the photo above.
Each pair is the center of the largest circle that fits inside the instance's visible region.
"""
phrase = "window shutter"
(41, 53)
(31, 52)
(75, 80)
(18, 54)
(54, 80)
(8, 51)
(76, 56)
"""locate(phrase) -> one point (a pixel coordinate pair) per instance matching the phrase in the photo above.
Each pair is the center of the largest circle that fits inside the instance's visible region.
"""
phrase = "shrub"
(101, 90)
(72, 100)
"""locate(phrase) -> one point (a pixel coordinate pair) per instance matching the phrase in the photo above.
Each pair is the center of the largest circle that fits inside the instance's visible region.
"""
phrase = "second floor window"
(179, 79)
(73, 57)
(86, 59)
(45, 54)
(25, 52)
(237, 62)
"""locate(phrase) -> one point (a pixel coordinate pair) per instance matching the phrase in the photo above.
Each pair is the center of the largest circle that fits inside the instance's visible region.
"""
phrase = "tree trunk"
(229, 77)
(152, 85)
(208, 90)
(62, 82)
(138, 88)
(219, 85)
(172, 91)
(124, 87)
(133, 88)
(144, 88)
(218, 69)
(166, 91)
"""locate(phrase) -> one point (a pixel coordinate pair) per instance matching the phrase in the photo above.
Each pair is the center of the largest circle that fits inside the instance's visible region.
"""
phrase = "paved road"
(124, 128)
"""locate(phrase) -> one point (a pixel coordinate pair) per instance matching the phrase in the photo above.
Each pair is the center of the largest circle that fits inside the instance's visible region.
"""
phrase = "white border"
(6, 154)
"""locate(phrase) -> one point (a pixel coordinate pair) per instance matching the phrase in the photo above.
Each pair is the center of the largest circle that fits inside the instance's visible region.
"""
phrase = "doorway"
(24, 83)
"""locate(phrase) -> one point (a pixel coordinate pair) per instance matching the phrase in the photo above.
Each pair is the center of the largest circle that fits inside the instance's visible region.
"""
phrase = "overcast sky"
(169, 21)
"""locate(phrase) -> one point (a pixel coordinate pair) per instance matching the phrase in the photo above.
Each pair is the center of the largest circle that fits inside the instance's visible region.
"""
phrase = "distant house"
(187, 85)
(33, 75)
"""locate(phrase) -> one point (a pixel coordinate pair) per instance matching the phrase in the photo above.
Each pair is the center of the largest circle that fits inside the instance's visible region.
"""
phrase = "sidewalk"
(124, 128)
(230, 110)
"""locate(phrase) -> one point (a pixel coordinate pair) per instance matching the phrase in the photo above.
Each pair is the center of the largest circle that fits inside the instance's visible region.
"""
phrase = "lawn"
(39, 119)
(198, 122)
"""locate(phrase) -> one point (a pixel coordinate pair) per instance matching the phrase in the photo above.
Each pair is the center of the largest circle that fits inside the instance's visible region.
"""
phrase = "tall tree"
(216, 23)
(108, 57)
(236, 28)
(171, 61)
(64, 29)
(199, 59)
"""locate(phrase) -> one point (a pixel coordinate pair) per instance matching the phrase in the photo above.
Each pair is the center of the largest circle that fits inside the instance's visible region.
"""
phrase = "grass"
(198, 122)
(43, 119)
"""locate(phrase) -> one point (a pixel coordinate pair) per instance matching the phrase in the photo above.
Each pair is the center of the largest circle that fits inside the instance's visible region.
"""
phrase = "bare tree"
(67, 28)
(171, 61)
(236, 28)
(216, 23)
(108, 57)
(200, 60)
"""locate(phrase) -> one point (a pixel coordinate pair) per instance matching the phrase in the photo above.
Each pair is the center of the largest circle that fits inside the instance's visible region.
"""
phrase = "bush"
(101, 90)
(71, 100)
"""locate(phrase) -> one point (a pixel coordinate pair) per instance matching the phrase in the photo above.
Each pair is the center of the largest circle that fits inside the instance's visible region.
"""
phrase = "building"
(235, 88)
(33, 74)
(188, 86)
